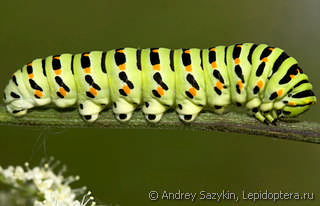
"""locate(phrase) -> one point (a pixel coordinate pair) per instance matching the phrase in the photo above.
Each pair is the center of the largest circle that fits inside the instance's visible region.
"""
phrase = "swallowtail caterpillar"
(264, 79)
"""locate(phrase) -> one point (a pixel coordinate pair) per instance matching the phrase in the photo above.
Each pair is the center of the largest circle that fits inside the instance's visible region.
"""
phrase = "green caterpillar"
(264, 79)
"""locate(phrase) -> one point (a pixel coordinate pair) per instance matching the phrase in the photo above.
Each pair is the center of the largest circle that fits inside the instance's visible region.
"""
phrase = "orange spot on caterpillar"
(292, 76)
(271, 49)
(56, 58)
(187, 51)
(260, 84)
(292, 103)
(126, 89)
(240, 84)
(93, 91)
(188, 68)
(122, 67)
(280, 92)
(120, 51)
(62, 91)
(86, 54)
(155, 50)
(87, 70)
(57, 72)
(160, 90)
(38, 93)
(213, 49)
(193, 91)
(219, 85)
(156, 67)
(237, 61)
(264, 59)
(239, 45)
(30, 64)
(31, 76)
(214, 65)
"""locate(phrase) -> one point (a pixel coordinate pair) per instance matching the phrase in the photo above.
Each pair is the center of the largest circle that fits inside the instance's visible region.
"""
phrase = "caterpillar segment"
(60, 80)
(263, 79)
(124, 74)
(264, 61)
(239, 69)
(158, 80)
(190, 83)
(216, 79)
(92, 85)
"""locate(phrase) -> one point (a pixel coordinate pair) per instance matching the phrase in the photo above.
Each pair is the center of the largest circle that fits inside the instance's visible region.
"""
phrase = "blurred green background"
(122, 166)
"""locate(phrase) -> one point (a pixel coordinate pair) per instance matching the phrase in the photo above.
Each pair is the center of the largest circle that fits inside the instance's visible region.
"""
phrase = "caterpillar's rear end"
(264, 79)
(23, 93)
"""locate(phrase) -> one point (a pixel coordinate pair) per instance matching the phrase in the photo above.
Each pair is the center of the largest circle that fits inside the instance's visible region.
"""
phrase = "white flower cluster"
(42, 186)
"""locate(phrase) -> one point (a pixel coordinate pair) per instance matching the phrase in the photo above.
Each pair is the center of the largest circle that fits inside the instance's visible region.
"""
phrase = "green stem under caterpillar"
(230, 122)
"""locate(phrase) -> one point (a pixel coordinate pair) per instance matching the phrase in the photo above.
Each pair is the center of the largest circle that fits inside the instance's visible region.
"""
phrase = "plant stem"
(230, 122)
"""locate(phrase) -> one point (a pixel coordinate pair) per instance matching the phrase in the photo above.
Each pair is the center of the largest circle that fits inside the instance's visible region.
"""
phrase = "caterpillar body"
(264, 79)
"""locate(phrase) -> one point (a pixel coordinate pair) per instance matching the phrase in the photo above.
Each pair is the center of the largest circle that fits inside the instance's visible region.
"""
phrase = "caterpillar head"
(298, 100)
(15, 100)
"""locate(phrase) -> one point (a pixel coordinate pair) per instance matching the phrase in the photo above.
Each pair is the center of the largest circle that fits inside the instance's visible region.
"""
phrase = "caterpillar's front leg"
(263, 116)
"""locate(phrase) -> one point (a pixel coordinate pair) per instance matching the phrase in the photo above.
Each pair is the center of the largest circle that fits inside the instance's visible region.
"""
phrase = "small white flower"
(19, 173)
(8, 173)
(36, 173)
(44, 187)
